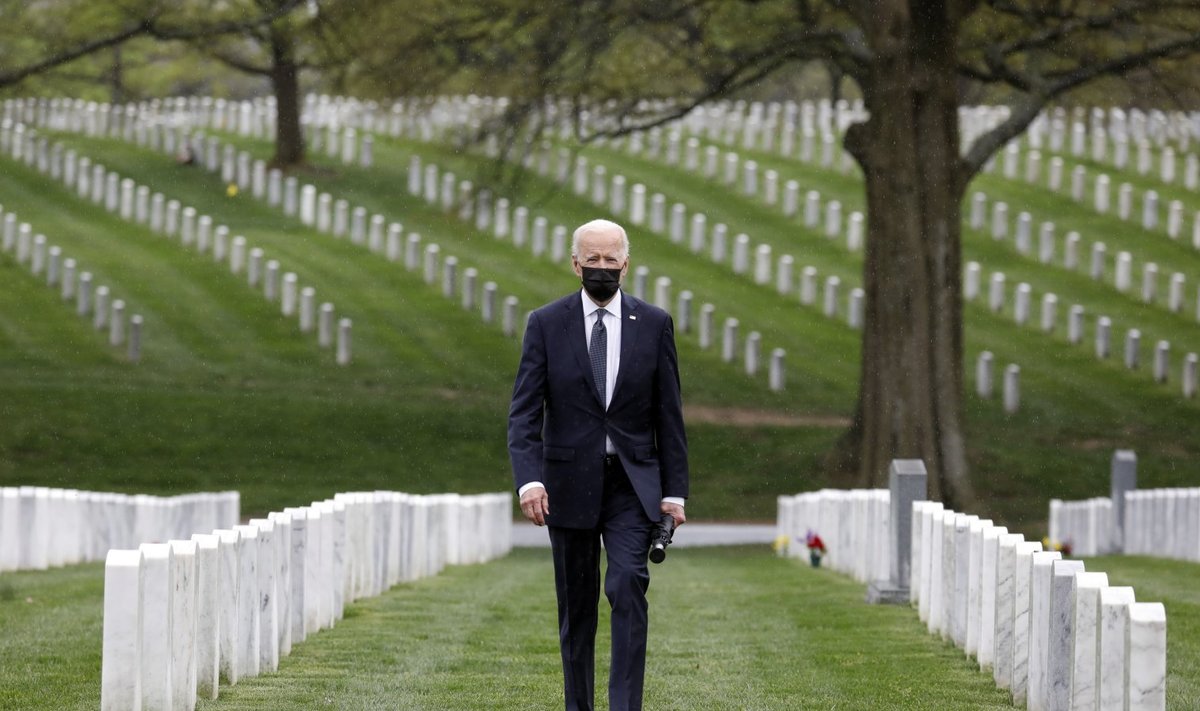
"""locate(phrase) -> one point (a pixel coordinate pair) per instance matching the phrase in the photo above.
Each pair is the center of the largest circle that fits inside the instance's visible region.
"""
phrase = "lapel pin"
(632, 317)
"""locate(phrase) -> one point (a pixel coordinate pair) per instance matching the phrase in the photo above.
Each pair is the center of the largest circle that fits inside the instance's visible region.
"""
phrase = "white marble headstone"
(1040, 595)
(1022, 583)
(1084, 649)
(157, 630)
(229, 578)
(268, 630)
(248, 601)
(1061, 634)
(208, 629)
(1146, 647)
(183, 625)
(121, 657)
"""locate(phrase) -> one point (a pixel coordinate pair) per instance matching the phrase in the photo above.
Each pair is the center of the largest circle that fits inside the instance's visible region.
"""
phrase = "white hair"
(598, 226)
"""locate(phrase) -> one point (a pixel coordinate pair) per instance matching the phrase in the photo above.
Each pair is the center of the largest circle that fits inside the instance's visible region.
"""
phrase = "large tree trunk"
(285, 81)
(910, 397)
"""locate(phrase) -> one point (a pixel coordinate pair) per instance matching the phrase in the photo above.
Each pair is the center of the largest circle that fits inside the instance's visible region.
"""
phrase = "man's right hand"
(535, 504)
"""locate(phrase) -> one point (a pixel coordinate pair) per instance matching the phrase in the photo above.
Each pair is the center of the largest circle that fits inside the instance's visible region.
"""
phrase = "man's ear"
(576, 266)
(625, 268)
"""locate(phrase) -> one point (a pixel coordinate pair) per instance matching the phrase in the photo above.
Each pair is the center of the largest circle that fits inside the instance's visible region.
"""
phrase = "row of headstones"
(1099, 139)
(240, 117)
(135, 203)
(1073, 250)
(594, 181)
(427, 120)
(695, 233)
(255, 118)
(764, 132)
(477, 206)
(1156, 125)
(716, 119)
(762, 126)
(1056, 636)
(1022, 314)
(184, 617)
(985, 379)
(251, 118)
(1095, 526)
(43, 527)
(1102, 192)
(328, 215)
(733, 170)
(61, 272)
(1049, 129)
(1143, 165)
(1084, 528)
(824, 150)
(853, 524)
(1163, 523)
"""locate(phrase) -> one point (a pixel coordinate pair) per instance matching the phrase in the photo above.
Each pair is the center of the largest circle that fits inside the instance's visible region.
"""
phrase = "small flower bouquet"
(1063, 547)
(816, 548)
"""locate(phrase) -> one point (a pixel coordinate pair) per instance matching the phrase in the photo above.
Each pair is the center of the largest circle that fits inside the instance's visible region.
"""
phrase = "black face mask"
(601, 284)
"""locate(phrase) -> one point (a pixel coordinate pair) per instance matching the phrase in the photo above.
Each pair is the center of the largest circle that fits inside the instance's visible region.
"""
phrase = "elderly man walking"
(599, 453)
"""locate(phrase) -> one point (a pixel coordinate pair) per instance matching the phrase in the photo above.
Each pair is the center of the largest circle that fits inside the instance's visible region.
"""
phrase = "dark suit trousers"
(626, 533)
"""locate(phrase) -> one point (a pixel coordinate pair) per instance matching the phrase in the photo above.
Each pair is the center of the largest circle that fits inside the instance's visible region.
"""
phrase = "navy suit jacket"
(557, 422)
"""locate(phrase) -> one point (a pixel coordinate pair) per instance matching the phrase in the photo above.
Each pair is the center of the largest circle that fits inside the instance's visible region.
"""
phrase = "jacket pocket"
(559, 454)
(645, 453)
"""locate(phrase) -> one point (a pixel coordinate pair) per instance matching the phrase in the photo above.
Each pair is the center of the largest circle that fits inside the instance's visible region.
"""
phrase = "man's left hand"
(676, 512)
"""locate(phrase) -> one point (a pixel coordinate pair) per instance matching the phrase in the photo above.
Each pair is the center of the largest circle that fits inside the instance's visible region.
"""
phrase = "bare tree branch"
(239, 63)
(150, 27)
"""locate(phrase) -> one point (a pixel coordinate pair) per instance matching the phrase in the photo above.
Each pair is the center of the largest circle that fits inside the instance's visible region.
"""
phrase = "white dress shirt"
(612, 324)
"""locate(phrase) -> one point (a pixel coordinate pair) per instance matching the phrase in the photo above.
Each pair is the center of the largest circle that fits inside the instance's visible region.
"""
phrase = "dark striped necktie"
(599, 354)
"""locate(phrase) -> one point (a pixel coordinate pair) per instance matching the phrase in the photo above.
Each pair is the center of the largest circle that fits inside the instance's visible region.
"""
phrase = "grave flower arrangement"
(1063, 547)
(816, 548)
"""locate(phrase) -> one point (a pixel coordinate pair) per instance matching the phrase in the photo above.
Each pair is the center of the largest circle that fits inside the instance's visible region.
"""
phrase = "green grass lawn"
(731, 628)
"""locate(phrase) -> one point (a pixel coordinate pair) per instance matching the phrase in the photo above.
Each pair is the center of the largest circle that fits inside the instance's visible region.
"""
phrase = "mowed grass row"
(731, 628)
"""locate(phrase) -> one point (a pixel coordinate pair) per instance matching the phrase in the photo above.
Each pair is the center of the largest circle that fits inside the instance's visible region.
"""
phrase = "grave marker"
(1012, 388)
(908, 483)
(325, 325)
(777, 374)
(983, 375)
(121, 657)
(1103, 337)
(156, 625)
(753, 352)
(707, 316)
(1133, 340)
(1049, 312)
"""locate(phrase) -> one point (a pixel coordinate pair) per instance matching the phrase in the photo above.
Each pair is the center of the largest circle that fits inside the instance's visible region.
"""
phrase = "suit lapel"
(629, 333)
(576, 335)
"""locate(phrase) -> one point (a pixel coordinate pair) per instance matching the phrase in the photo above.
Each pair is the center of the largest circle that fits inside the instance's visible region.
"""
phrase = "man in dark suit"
(596, 438)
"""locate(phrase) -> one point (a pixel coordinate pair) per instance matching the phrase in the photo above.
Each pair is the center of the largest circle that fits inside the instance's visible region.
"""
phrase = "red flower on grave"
(814, 543)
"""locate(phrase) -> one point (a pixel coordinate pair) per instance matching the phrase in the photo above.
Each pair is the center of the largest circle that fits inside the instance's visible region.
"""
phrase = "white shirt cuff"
(530, 485)
(674, 500)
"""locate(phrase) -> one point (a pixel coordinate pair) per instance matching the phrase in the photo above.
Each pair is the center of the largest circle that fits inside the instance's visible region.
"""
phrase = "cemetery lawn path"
(732, 628)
